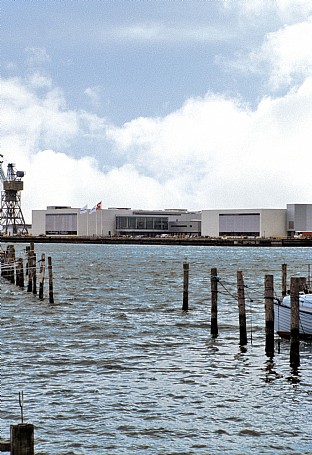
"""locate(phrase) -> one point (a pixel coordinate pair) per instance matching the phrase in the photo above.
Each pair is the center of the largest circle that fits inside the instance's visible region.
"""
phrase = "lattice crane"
(11, 217)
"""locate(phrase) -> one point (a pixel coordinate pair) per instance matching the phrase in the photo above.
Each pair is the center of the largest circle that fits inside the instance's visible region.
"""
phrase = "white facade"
(62, 220)
(245, 222)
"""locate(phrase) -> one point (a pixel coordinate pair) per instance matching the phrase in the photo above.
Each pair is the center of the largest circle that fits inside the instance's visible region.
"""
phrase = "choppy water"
(115, 366)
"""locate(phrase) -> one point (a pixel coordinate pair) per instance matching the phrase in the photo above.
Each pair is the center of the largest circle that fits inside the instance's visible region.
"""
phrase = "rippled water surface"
(115, 367)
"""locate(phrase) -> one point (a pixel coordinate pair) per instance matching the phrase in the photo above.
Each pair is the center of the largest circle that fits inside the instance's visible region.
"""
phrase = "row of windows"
(150, 223)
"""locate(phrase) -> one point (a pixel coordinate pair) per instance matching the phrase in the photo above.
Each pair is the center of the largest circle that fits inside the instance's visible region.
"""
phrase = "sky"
(153, 104)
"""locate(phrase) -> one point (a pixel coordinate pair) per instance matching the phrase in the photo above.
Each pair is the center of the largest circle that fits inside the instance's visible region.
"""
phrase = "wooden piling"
(34, 273)
(20, 273)
(269, 315)
(214, 302)
(241, 309)
(294, 321)
(51, 297)
(22, 439)
(27, 262)
(30, 252)
(284, 279)
(186, 268)
(42, 273)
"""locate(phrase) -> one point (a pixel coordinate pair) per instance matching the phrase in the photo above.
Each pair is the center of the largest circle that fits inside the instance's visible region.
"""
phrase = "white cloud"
(288, 53)
(284, 58)
(285, 10)
(161, 32)
(212, 152)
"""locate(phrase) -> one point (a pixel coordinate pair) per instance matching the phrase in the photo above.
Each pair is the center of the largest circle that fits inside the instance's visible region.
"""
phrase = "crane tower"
(11, 216)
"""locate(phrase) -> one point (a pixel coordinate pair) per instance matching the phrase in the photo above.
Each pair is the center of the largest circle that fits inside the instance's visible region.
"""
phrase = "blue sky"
(158, 104)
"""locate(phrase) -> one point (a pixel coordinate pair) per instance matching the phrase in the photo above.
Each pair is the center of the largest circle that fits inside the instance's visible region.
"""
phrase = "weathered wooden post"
(186, 268)
(34, 273)
(214, 302)
(241, 309)
(269, 315)
(27, 262)
(294, 321)
(22, 439)
(42, 272)
(284, 279)
(51, 297)
(21, 266)
(30, 253)
(20, 273)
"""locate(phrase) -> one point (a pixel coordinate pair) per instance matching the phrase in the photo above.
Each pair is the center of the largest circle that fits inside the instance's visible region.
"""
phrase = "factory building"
(244, 223)
(64, 220)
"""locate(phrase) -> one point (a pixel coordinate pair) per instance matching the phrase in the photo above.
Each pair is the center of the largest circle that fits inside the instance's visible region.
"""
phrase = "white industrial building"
(244, 223)
(63, 220)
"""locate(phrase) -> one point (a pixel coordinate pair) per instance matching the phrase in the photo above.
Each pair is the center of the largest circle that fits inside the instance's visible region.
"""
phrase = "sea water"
(115, 366)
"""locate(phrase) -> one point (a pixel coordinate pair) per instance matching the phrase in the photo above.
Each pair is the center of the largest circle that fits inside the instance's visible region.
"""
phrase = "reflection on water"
(115, 366)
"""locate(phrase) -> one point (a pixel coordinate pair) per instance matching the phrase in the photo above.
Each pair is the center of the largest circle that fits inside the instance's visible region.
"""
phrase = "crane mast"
(11, 217)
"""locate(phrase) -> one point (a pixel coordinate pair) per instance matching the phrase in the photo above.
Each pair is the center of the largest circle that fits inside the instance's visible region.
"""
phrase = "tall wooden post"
(34, 273)
(269, 315)
(22, 439)
(42, 272)
(51, 297)
(294, 321)
(214, 302)
(186, 268)
(241, 309)
(30, 257)
(19, 281)
(27, 262)
(284, 279)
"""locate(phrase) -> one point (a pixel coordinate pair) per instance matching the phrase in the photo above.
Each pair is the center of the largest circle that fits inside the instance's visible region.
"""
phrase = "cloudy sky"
(158, 104)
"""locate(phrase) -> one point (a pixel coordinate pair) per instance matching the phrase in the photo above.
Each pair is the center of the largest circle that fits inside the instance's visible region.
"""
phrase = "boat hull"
(282, 313)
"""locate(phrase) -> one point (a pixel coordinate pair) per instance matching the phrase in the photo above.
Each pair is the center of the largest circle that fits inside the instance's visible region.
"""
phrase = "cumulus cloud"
(212, 152)
(285, 10)
(284, 58)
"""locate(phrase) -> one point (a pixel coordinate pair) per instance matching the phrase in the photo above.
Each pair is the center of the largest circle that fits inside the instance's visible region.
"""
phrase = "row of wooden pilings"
(296, 285)
(12, 269)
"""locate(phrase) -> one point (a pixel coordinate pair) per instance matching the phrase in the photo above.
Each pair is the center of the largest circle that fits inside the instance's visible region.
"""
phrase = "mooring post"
(241, 309)
(294, 321)
(51, 298)
(22, 439)
(269, 315)
(27, 261)
(34, 275)
(186, 268)
(19, 281)
(42, 272)
(30, 254)
(214, 302)
(284, 279)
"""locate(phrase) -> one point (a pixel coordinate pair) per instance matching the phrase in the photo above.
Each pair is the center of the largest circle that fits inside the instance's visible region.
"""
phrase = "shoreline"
(194, 241)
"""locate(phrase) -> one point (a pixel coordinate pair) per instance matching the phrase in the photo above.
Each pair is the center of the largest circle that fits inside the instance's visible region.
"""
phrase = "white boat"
(282, 316)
